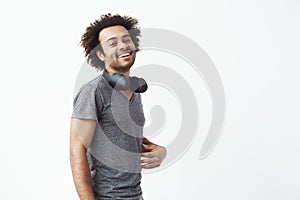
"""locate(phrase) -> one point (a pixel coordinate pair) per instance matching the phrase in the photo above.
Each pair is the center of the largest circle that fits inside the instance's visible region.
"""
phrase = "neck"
(124, 73)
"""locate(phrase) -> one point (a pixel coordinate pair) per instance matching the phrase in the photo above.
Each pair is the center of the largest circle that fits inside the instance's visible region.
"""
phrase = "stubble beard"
(115, 65)
(121, 68)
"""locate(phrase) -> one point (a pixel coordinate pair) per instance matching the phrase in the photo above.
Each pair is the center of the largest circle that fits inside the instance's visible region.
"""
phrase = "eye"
(127, 40)
(112, 44)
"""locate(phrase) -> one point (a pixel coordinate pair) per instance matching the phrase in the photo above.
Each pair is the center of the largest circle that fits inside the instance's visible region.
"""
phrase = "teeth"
(124, 55)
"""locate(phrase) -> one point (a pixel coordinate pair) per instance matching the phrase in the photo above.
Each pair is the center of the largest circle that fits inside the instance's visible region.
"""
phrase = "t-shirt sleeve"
(85, 105)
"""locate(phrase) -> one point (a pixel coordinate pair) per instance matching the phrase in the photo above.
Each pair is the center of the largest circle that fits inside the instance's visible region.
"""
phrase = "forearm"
(82, 177)
(78, 160)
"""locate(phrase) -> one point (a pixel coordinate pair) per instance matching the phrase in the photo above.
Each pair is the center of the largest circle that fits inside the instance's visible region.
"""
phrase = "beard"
(122, 67)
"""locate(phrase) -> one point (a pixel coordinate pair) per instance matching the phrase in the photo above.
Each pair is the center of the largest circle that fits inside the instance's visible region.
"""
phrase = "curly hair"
(89, 40)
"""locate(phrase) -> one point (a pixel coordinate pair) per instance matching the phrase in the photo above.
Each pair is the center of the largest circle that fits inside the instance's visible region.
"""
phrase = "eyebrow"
(113, 38)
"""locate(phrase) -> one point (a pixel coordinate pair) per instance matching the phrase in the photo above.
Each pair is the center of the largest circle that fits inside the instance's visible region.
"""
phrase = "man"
(106, 142)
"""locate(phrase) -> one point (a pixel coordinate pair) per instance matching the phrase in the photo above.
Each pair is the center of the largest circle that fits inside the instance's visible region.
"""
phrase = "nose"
(122, 45)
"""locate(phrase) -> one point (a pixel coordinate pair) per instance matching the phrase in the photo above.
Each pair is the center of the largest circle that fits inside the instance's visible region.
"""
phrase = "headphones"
(120, 82)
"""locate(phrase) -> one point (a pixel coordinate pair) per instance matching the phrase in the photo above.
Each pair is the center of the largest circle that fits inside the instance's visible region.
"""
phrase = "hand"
(153, 154)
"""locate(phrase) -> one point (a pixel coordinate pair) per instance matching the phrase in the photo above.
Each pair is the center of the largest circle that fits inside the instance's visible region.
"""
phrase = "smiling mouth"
(124, 55)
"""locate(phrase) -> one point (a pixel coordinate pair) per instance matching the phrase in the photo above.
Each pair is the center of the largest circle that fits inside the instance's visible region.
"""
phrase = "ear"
(100, 55)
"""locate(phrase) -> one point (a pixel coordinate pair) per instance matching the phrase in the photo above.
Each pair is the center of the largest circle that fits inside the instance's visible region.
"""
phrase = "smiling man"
(106, 133)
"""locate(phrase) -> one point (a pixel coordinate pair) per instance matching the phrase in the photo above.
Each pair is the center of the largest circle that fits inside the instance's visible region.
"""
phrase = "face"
(118, 48)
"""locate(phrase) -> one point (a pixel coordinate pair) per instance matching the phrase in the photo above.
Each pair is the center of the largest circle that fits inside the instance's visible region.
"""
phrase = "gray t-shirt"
(114, 154)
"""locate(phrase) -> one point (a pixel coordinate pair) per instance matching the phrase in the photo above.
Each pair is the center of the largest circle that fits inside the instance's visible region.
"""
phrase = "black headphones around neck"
(120, 82)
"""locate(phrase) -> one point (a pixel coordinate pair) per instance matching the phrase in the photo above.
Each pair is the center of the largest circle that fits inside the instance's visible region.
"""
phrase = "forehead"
(112, 31)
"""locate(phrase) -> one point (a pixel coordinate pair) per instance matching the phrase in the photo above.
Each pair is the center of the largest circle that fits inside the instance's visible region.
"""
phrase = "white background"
(255, 47)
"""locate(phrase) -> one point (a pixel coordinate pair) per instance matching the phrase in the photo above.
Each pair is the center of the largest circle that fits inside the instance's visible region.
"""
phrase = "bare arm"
(153, 154)
(81, 134)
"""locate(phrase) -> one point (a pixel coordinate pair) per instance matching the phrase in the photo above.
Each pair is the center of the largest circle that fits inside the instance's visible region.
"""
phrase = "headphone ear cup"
(138, 85)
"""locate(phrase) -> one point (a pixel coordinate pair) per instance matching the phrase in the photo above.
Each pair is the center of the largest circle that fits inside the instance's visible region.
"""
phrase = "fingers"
(148, 154)
(146, 148)
(153, 156)
(151, 165)
(152, 160)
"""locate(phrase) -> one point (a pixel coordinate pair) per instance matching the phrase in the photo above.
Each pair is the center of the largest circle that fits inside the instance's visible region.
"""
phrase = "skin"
(79, 165)
(115, 41)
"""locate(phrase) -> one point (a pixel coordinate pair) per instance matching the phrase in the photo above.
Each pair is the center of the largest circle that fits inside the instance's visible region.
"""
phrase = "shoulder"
(88, 90)
(93, 84)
